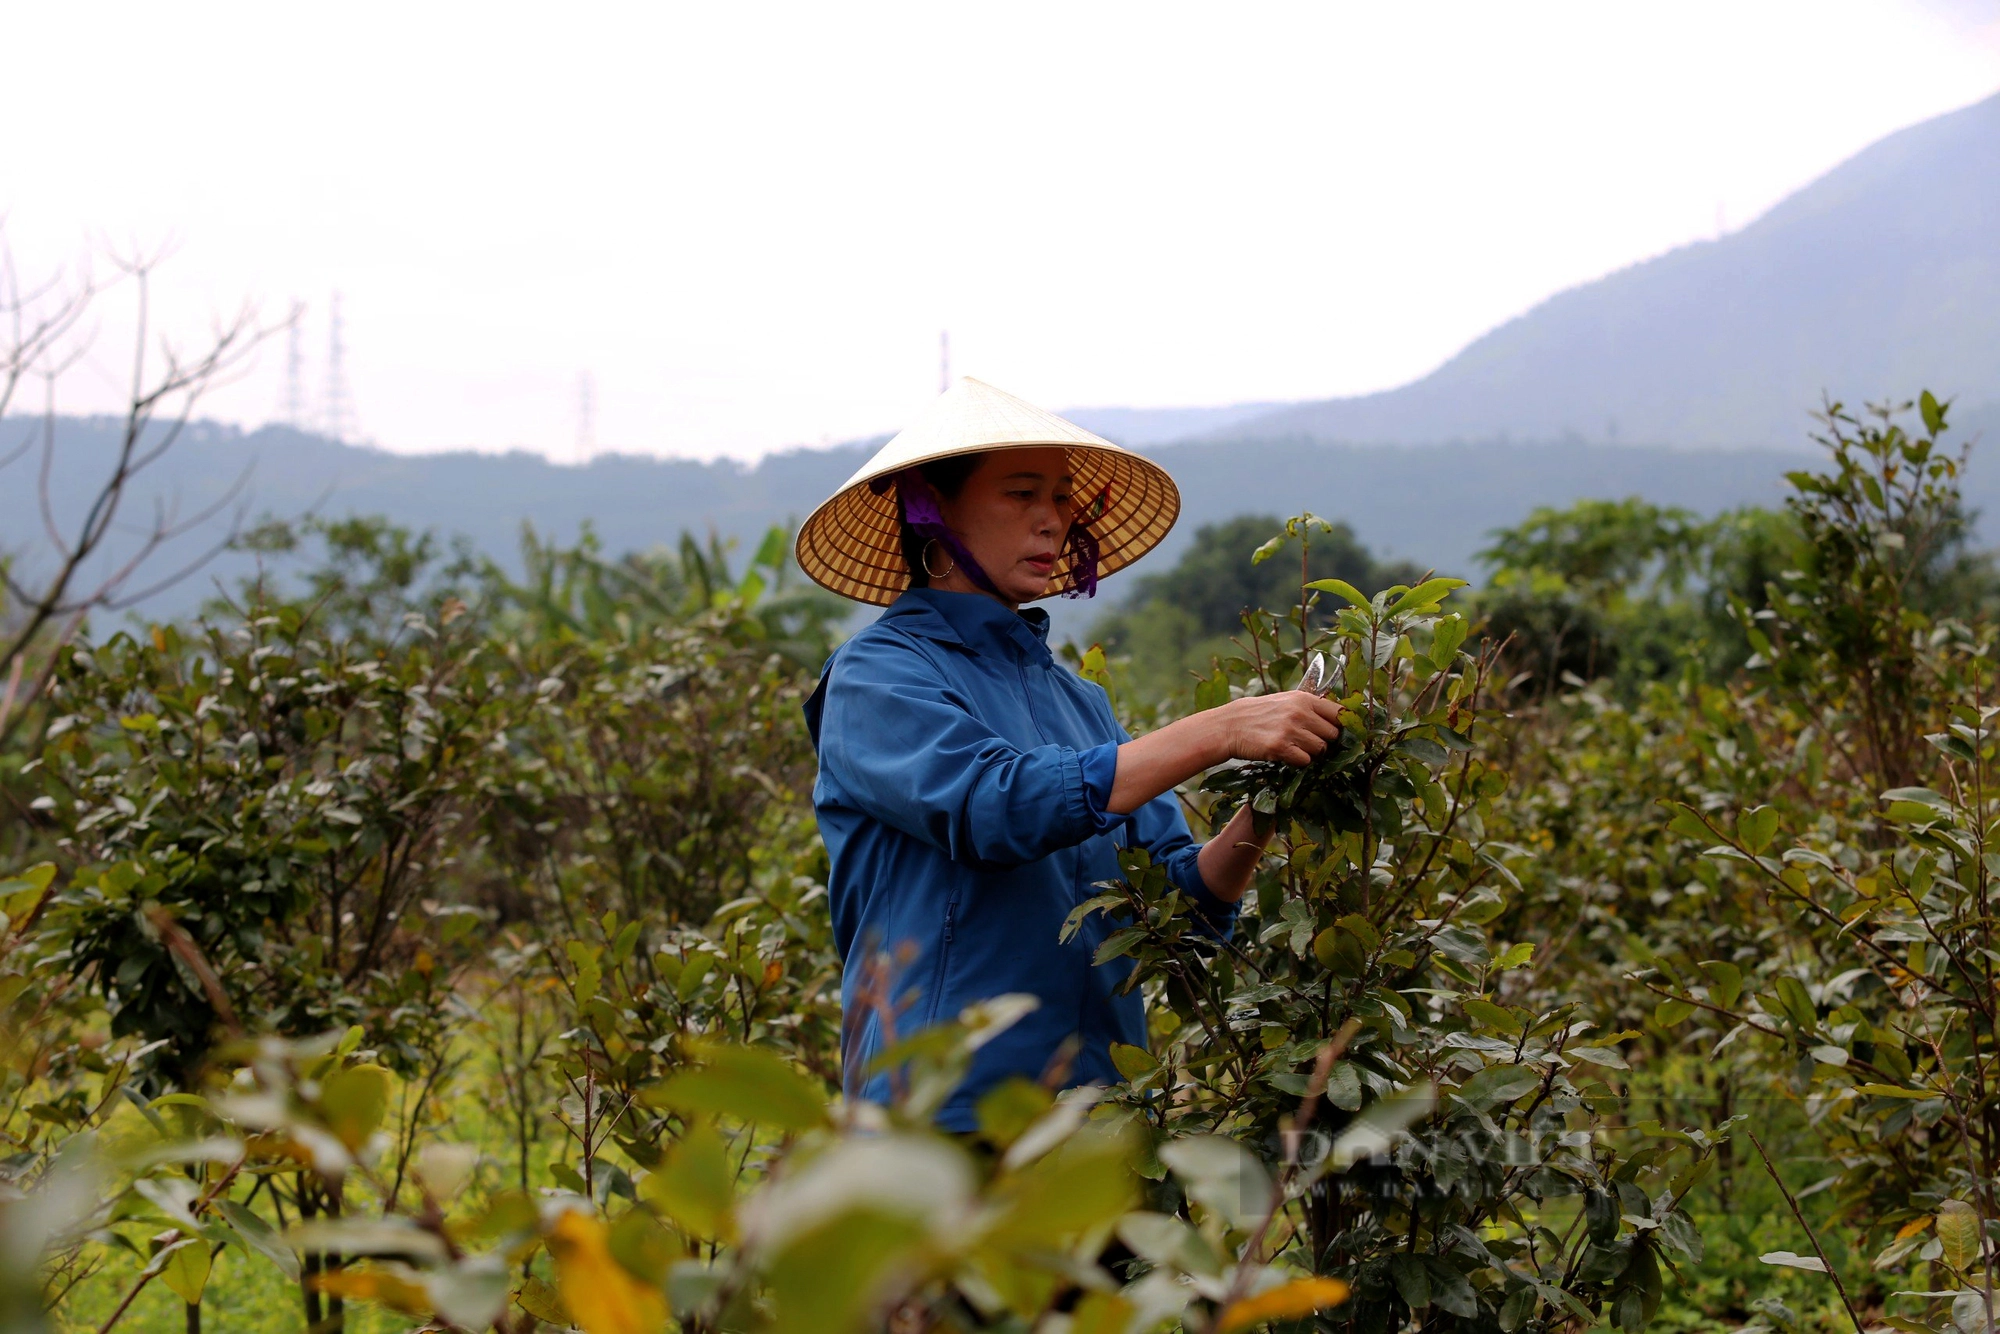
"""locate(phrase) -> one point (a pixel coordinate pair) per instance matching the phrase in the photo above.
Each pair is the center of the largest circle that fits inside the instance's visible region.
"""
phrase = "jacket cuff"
(1219, 917)
(1098, 769)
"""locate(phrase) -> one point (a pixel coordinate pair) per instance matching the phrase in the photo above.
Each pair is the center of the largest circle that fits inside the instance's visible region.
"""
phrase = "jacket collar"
(972, 621)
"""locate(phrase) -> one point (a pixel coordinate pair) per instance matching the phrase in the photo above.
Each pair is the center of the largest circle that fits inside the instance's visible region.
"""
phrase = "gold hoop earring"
(924, 558)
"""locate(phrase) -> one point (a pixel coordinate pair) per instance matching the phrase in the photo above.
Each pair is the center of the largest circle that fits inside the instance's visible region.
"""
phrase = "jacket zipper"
(943, 960)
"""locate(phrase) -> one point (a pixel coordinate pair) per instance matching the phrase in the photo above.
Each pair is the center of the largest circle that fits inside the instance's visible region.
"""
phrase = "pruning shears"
(1316, 680)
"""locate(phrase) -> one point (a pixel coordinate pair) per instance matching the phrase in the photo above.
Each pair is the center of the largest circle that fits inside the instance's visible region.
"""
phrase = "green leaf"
(1678, 1231)
(1446, 636)
(695, 1185)
(1361, 929)
(1795, 1002)
(1222, 1175)
(1952, 745)
(1467, 947)
(771, 552)
(748, 1083)
(1083, 910)
(1515, 956)
(1757, 827)
(1424, 594)
(1450, 1290)
(1118, 944)
(1671, 1011)
(1008, 1108)
(1167, 1240)
(1933, 412)
(1340, 588)
(259, 1236)
(1267, 550)
(1343, 1087)
(1498, 1084)
(186, 1270)
(1958, 1228)
(1423, 749)
(1132, 1062)
(1689, 825)
(1600, 1216)
(1412, 1280)
(1086, 1182)
(1605, 1056)
(1790, 1260)
(1488, 1015)
(1725, 983)
(19, 895)
(354, 1100)
(643, 1247)
(1482, 907)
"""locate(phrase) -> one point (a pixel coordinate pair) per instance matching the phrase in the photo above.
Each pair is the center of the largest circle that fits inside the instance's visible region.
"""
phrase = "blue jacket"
(963, 778)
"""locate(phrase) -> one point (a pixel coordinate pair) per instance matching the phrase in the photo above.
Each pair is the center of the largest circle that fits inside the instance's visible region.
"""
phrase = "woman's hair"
(947, 477)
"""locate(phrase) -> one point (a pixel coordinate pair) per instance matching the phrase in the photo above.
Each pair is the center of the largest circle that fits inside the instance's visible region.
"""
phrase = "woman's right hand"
(1294, 726)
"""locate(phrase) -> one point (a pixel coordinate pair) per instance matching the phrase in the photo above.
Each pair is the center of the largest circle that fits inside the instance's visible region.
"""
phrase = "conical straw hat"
(850, 544)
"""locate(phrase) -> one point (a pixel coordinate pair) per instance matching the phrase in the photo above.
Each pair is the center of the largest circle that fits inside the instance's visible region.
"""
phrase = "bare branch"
(36, 321)
(162, 397)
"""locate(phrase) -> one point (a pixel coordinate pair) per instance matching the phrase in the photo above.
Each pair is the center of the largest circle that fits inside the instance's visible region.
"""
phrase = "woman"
(971, 792)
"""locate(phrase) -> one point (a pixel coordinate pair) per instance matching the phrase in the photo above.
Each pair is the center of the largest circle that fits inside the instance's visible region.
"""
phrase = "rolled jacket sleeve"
(907, 750)
(1159, 827)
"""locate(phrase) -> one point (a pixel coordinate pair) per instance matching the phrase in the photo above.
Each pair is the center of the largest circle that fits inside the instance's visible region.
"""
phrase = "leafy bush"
(278, 803)
(1368, 947)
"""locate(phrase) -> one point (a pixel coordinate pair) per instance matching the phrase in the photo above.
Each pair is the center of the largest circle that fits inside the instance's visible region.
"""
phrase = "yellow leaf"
(1958, 1228)
(594, 1288)
(1102, 1313)
(1913, 1227)
(1291, 1301)
(1892, 1091)
(371, 1284)
(354, 1100)
(541, 1301)
(186, 1270)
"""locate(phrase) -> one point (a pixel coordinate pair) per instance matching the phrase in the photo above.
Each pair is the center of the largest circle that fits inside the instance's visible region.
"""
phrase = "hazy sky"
(748, 223)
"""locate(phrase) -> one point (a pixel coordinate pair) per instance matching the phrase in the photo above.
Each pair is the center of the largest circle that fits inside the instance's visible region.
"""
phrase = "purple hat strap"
(919, 503)
(1082, 547)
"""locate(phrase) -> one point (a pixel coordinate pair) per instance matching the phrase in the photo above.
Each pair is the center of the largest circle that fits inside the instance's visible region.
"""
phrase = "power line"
(337, 421)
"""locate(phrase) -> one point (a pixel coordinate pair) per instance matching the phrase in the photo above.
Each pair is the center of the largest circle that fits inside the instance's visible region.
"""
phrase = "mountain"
(1879, 278)
(1432, 506)
(1141, 428)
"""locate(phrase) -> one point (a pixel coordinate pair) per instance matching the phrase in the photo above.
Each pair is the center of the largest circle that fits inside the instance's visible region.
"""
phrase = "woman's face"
(1013, 514)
